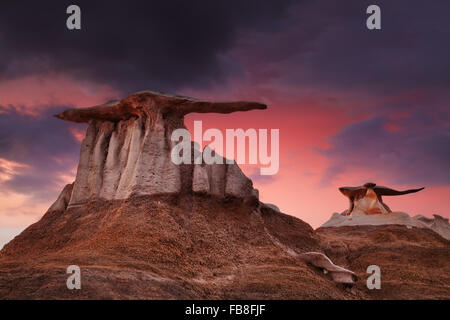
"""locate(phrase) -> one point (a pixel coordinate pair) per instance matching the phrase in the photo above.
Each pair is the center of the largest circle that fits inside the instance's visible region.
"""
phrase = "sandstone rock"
(151, 103)
(272, 206)
(63, 200)
(127, 149)
(237, 184)
(438, 224)
(367, 199)
(337, 273)
(367, 208)
(200, 181)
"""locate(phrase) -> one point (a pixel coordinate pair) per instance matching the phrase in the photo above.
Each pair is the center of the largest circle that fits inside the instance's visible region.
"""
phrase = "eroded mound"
(200, 247)
(166, 247)
(438, 224)
(414, 262)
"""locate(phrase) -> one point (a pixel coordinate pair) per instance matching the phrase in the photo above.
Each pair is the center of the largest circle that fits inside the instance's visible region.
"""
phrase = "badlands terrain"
(140, 227)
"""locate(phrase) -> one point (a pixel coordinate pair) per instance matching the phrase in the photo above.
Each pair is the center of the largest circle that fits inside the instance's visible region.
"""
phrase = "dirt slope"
(199, 247)
(414, 262)
(192, 247)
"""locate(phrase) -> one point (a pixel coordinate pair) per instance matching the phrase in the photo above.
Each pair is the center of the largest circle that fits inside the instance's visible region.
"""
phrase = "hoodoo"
(367, 208)
(367, 199)
(127, 149)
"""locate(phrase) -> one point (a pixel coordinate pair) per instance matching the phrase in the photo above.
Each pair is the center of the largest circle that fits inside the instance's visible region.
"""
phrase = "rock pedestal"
(128, 144)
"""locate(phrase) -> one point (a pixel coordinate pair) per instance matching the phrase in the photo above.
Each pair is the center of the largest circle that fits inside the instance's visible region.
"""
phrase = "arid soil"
(200, 247)
(414, 262)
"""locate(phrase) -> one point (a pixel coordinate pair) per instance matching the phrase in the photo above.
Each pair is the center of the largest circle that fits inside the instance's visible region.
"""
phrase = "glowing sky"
(352, 105)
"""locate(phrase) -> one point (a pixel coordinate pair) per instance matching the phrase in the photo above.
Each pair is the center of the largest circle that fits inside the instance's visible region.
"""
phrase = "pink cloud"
(30, 94)
(78, 133)
(9, 168)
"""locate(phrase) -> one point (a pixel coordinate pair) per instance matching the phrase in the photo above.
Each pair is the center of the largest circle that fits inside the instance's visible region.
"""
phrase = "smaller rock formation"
(63, 200)
(337, 273)
(271, 206)
(438, 224)
(367, 208)
(367, 199)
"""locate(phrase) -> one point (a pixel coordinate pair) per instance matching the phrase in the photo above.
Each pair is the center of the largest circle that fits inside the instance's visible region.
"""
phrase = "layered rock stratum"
(438, 224)
(140, 227)
(368, 208)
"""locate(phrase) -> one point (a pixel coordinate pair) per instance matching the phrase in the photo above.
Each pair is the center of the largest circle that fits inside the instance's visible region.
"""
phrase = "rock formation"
(367, 199)
(367, 208)
(157, 230)
(414, 262)
(337, 273)
(127, 148)
(438, 224)
(63, 200)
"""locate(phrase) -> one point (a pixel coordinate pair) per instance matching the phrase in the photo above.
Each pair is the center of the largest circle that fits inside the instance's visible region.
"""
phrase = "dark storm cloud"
(411, 150)
(131, 45)
(410, 51)
(325, 44)
(45, 145)
(168, 44)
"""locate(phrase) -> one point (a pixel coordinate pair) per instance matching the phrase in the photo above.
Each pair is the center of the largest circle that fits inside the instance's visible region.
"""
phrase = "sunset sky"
(353, 105)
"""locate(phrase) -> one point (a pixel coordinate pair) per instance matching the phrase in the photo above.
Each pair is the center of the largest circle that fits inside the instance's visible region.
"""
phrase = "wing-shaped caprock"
(353, 192)
(385, 191)
(134, 105)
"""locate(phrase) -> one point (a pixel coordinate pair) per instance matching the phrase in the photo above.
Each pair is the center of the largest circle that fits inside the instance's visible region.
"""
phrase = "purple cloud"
(410, 150)
(44, 145)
